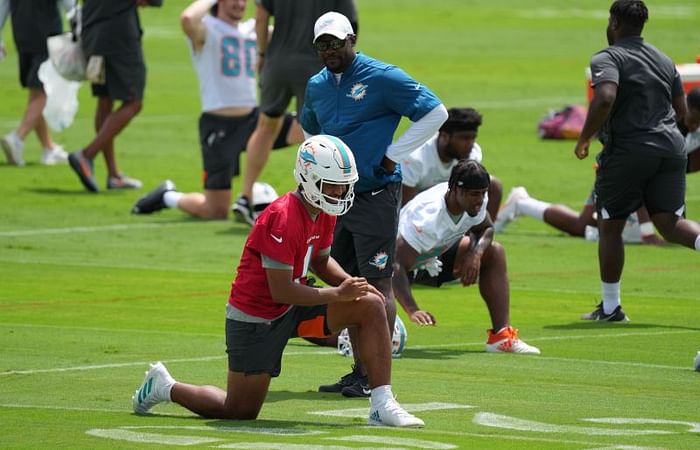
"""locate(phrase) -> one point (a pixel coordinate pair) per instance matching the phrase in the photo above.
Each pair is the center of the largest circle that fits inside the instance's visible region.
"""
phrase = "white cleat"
(509, 210)
(391, 414)
(506, 340)
(155, 389)
(54, 155)
(13, 148)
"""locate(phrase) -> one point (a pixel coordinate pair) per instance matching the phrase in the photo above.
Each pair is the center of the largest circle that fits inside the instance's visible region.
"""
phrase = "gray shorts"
(257, 347)
(279, 85)
(125, 77)
(626, 180)
(365, 238)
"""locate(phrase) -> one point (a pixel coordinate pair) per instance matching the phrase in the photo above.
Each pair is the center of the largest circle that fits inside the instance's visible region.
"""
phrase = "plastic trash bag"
(61, 97)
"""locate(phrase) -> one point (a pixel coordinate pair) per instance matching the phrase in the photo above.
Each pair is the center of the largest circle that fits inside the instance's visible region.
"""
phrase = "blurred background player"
(432, 162)
(692, 129)
(229, 113)
(447, 232)
(637, 97)
(32, 22)
(638, 227)
(111, 40)
(271, 302)
(344, 99)
(286, 61)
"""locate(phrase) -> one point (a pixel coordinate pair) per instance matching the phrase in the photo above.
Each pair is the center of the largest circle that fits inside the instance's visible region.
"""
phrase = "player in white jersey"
(432, 162)
(447, 232)
(224, 54)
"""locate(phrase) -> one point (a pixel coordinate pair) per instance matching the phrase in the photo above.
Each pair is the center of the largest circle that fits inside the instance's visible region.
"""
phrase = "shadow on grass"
(73, 190)
(615, 326)
(438, 353)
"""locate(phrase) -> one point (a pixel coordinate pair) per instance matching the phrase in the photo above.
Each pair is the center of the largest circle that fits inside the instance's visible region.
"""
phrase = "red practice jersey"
(286, 233)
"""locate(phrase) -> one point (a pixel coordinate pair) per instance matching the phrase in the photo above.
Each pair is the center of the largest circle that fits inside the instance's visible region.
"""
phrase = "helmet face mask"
(321, 161)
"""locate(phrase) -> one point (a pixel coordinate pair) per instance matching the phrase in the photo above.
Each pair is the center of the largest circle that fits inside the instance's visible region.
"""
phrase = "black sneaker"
(618, 315)
(243, 211)
(83, 167)
(345, 381)
(153, 201)
(359, 389)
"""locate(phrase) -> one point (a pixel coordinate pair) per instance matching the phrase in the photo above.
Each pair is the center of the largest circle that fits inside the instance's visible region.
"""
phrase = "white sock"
(380, 394)
(171, 198)
(533, 207)
(697, 243)
(611, 296)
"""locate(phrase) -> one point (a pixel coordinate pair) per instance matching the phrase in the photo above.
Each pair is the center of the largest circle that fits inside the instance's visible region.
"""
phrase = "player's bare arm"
(403, 262)
(191, 22)
(330, 272)
(285, 290)
(603, 99)
(468, 265)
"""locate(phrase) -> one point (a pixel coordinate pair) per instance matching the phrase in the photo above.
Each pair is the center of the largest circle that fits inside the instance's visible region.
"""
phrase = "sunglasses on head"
(335, 44)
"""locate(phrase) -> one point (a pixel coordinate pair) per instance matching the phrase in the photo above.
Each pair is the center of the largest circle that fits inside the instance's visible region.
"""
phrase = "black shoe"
(83, 167)
(153, 201)
(359, 389)
(618, 315)
(243, 211)
(345, 381)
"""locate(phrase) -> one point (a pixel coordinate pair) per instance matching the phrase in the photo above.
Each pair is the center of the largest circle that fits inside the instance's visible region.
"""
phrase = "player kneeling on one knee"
(445, 234)
(271, 302)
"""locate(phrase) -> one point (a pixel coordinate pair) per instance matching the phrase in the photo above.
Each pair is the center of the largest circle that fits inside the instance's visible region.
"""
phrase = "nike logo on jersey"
(277, 239)
(376, 192)
(417, 87)
(597, 74)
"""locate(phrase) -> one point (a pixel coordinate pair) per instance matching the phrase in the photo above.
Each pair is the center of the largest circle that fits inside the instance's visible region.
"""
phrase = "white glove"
(433, 266)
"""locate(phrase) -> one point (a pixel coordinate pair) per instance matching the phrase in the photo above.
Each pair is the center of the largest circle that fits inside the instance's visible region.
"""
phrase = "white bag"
(67, 56)
(66, 52)
(61, 97)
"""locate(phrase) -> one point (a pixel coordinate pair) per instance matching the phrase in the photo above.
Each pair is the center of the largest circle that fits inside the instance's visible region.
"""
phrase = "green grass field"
(90, 294)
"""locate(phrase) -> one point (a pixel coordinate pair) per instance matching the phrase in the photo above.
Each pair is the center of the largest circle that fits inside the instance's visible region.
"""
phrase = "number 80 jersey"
(226, 65)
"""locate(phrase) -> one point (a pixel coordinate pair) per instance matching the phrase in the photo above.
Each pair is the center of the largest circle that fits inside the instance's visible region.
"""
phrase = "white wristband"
(646, 228)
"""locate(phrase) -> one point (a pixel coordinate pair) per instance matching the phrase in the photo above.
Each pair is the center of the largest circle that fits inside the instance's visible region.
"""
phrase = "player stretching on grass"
(447, 232)
(222, 46)
(270, 301)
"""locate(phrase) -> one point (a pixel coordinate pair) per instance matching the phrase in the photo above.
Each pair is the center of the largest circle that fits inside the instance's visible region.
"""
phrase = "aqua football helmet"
(322, 160)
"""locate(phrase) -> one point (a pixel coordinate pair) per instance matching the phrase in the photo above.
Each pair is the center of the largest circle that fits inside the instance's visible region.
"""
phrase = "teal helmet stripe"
(342, 148)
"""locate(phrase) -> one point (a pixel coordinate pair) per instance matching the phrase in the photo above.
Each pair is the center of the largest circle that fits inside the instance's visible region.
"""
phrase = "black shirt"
(642, 118)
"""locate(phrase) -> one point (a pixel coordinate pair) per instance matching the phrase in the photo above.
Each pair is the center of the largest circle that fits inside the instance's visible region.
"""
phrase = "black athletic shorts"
(125, 77)
(257, 347)
(365, 237)
(29, 63)
(625, 180)
(223, 138)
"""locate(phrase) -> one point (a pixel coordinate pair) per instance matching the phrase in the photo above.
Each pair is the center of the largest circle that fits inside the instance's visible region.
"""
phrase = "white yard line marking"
(513, 423)
(109, 330)
(422, 347)
(150, 438)
(420, 443)
(113, 227)
(227, 429)
(413, 407)
(289, 446)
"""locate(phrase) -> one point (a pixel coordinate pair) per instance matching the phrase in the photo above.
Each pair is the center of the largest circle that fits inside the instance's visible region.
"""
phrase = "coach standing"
(636, 90)
(361, 100)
